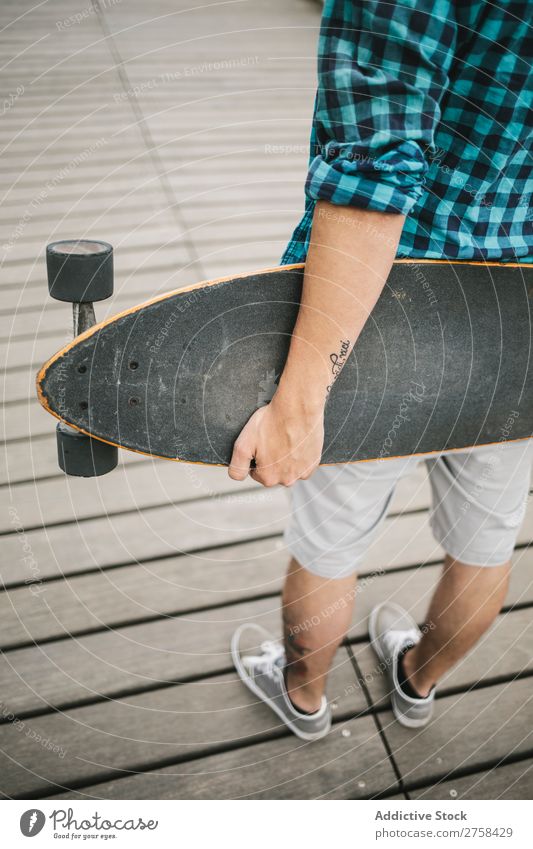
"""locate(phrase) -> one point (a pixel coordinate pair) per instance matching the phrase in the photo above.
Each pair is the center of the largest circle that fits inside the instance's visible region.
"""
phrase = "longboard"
(444, 362)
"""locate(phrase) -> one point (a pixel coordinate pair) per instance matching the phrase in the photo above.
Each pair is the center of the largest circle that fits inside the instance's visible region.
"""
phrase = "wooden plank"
(404, 539)
(96, 543)
(514, 781)
(114, 738)
(468, 729)
(101, 542)
(99, 198)
(336, 767)
(133, 656)
(248, 163)
(150, 239)
(146, 235)
(164, 102)
(253, 239)
(141, 655)
(271, 142)
(134, 270)
(114, 217)
(138, 228)
(27, 325)
(93, 131)
(174, 262)
(222, 576)
(56, 316)
(30, 461)
(147, 483)
(41, 611)
(130, 658)
(126, 182)
(161, 89)
(26, 419)
(53, 148)
(162, 588)
(28, 310)
(127, 179)
(199, 208)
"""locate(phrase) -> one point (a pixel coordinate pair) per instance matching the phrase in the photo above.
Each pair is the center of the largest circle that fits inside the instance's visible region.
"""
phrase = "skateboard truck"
(81, 272)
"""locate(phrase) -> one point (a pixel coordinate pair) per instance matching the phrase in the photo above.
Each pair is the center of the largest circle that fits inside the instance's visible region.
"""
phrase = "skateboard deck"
(444, 362)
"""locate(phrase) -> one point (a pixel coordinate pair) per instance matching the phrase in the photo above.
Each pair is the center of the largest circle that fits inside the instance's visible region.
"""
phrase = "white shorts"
(479, 498)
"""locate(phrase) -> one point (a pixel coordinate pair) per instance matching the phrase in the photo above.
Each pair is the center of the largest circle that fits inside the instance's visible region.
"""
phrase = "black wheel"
(80, 271)
(81, 456)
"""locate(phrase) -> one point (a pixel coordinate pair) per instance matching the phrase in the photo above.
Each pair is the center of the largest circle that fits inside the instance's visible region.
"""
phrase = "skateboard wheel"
(81, 456)
(80, 271)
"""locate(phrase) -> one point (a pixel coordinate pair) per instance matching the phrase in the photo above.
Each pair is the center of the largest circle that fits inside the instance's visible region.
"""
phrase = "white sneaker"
(263, 674)
(391, 630)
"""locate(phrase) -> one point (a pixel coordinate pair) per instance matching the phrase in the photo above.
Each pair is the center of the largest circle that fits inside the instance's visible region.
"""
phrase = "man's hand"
(285, 443)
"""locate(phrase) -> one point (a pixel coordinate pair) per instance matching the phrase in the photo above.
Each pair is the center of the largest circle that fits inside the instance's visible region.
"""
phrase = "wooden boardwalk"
(178, 133)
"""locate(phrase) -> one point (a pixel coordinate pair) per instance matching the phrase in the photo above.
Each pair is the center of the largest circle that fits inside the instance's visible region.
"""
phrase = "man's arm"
(382, 72)
(350, 256)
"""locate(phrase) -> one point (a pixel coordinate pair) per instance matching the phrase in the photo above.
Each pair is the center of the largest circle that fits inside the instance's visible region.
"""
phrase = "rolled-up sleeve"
(382, 73)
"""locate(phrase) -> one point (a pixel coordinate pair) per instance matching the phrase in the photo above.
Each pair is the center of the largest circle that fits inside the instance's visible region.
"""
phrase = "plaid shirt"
(423, 108)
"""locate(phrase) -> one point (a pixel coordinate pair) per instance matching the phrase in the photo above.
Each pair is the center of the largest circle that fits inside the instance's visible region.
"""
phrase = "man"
(420, 149)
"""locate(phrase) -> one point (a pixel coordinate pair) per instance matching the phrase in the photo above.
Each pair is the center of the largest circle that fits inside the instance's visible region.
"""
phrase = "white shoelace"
(393, 639)
(265, 663)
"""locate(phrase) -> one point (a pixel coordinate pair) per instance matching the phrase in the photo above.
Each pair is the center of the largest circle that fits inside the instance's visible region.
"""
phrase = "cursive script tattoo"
(338, 360)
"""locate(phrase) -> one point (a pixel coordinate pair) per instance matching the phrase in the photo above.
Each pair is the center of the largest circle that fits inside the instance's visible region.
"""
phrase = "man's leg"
(479, 498)
(335, 515)
(316, 616)
(464, 605)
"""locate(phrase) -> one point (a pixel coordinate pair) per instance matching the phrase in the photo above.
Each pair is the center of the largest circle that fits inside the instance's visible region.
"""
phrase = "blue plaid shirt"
(424, 108)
